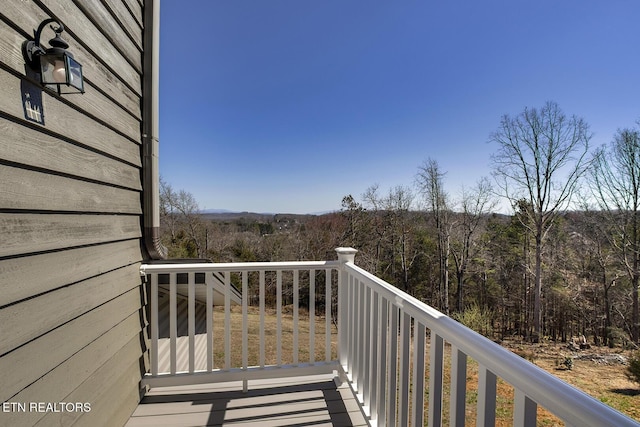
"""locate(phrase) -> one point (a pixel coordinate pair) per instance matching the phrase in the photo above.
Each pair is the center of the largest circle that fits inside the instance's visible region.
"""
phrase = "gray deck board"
(299, 401)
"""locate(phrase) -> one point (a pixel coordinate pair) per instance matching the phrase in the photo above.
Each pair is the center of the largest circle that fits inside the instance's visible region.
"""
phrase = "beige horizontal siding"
(33, 318)
(29, 233)
(126, 19)
(26, 364)
(71, 374)
(118, 379)
(44, 151)
(64, 120)
(33, 275)
(72, 302)
(30, 190)
(110, 25)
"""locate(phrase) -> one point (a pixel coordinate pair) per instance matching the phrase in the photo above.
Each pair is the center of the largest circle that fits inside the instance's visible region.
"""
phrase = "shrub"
(568, 362)
(633, 368)
(616, 336)
(477, 318)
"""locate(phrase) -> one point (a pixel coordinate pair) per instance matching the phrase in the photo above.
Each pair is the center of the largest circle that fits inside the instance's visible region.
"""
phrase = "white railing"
(384, 334)
(381, 346)
(191, 357)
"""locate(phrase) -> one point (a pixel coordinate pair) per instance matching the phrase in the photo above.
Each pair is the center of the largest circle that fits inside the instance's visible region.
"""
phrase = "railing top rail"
(236, 266)
(572, 405)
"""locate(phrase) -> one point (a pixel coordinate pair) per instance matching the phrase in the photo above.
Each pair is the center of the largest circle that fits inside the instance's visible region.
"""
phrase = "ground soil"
(596, 371)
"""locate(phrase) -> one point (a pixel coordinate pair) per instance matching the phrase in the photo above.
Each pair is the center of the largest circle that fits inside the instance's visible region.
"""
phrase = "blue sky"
(289, 105)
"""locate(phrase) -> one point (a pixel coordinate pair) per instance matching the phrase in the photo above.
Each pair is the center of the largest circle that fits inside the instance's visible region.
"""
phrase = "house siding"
(72, 304)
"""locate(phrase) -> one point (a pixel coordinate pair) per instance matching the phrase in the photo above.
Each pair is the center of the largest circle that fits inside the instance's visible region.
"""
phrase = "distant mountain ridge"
(227, 215)
(247, 213)
(216, 211)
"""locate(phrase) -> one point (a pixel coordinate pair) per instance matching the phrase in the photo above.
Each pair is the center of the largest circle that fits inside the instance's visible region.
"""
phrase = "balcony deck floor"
(300, 401)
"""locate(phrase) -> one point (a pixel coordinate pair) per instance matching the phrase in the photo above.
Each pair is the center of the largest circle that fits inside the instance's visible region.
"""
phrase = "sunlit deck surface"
(301, 401)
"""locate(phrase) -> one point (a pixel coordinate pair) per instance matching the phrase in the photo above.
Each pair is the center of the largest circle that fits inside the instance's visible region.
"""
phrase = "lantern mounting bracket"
(32, 49)
(57, 68)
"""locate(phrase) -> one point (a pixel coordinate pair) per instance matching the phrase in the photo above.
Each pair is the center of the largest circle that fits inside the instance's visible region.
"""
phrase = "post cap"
(346, 254)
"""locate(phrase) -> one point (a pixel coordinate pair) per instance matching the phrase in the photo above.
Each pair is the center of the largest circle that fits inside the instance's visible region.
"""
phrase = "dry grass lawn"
(270, 333)
(606, 382)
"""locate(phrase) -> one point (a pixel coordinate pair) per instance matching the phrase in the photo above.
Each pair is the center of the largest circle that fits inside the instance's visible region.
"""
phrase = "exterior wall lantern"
(56, 67)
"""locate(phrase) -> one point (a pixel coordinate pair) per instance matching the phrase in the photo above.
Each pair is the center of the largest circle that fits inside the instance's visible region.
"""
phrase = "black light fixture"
(57, 68)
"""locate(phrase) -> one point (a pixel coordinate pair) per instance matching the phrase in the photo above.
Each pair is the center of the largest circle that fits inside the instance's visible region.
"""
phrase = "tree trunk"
(606, 334)
(537, 305)
(635, 321)
(634, 315)
(445, 272)
(460, 290)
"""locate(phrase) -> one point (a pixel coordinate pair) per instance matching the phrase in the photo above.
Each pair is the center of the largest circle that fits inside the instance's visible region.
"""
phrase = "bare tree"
(398, 209)
(592, 243)
(476, 204)
(180, 214)
(615, 180)
(168, 219)
(541, 157)
(373, 203)
(430, 182)
(354, 213)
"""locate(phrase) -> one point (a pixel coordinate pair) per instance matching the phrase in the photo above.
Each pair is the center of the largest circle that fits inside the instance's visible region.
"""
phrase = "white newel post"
(345, 256)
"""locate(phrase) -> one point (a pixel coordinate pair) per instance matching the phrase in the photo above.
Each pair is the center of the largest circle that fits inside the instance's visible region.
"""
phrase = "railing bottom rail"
(240, 374)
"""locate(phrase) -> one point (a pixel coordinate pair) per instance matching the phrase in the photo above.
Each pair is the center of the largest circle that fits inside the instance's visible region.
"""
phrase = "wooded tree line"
(565, 263)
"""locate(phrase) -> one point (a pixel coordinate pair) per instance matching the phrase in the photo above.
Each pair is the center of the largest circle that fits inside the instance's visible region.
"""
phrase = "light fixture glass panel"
(53, 70)
(75, 74)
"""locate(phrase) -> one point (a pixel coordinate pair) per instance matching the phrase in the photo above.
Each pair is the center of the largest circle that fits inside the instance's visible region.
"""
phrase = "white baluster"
(486, 397)
(312, 316)
(419, 335)
(458, 387)
(173, 326)
(435, 379)
(154, 324)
